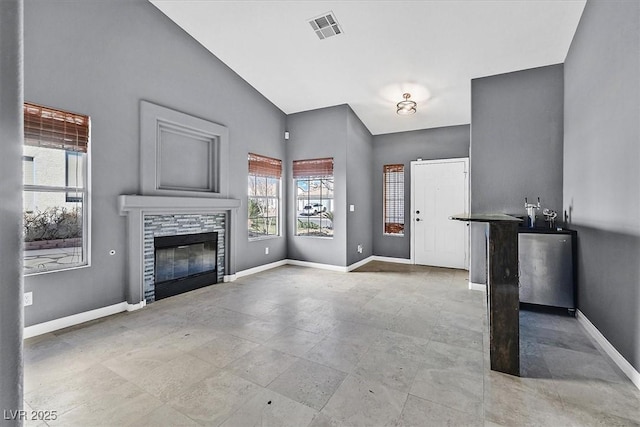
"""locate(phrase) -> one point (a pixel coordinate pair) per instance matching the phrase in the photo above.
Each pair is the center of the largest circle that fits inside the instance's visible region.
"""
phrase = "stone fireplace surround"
(150, 216)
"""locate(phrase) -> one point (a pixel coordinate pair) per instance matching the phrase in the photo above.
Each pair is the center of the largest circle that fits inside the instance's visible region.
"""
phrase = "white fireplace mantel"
(135, 207)
(168, 204)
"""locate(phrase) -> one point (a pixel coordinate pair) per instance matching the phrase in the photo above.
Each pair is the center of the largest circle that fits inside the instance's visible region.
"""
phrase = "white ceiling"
(431, 49)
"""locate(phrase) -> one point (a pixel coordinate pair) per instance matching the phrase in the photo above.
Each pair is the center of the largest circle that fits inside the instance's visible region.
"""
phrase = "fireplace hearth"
(184, 262)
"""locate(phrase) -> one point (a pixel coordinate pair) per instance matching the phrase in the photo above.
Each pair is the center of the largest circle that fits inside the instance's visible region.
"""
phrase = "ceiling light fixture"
(406, 107)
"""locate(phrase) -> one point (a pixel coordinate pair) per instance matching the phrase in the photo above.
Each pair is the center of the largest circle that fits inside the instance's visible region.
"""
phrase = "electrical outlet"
(266, 250)
(28, 298)
(359, 249)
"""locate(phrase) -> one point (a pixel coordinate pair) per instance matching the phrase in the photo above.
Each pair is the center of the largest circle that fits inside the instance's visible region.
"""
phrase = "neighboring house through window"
(28, 177)
(393, 215)
(74, 176)
(314, 197)
(265, 175)
(55, 189)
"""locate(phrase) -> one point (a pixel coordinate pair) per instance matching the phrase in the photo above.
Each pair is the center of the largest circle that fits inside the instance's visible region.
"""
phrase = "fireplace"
(184, 262)
(149, 217)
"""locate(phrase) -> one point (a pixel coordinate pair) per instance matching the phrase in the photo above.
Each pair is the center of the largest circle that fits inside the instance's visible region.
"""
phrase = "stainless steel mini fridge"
(546, 267)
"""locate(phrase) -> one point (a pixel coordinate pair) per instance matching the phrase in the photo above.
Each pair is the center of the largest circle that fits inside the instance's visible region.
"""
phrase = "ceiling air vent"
(325, 25)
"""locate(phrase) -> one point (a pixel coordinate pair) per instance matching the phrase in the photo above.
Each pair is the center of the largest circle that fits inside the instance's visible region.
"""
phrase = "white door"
(439, 190)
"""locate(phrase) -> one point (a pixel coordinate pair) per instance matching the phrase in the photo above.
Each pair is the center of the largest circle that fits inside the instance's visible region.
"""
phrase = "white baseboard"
(477, 286)
(359, 263)
(391, 259)
(310, 264)
(317, 265)
(134, 307)
(76, 319)
(259, 268)
(611, 351)
(229, 278)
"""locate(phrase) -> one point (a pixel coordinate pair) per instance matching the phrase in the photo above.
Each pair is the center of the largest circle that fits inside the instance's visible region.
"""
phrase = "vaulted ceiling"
(431, 49)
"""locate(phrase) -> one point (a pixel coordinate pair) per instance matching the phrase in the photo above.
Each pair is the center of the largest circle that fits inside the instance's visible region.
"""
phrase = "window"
(393, 215)
(314, 197)
(265, 174)
(55, 192)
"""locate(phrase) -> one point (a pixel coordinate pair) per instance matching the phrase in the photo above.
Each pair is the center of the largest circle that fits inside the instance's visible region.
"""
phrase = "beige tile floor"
(389, 344)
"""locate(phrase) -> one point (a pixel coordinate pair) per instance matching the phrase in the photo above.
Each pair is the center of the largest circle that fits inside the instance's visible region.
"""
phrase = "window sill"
(257, 239)
(315, 237)
(59, 270)
(392, 235)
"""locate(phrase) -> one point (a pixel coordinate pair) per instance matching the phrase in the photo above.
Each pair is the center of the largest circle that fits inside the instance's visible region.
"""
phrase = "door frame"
(467, 203)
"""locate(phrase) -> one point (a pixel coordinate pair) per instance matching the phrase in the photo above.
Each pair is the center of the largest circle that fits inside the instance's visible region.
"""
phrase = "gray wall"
(403, 147)
(318, 134)
(601, 174)
(11, 314)
(122, 53)
(359, 189)
(516, 147)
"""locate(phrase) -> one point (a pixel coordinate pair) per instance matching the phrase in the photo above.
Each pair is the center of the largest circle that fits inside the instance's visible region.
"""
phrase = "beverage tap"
(550, 216)
(531, 211)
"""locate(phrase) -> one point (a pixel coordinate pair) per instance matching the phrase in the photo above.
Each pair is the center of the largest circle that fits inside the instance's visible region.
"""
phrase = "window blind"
(53, 128)
(313, 168)
(264, 166)
(394, 199)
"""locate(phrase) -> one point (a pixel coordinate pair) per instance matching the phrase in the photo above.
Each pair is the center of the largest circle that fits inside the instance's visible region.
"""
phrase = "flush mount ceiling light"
(406, 107)
(325, 25)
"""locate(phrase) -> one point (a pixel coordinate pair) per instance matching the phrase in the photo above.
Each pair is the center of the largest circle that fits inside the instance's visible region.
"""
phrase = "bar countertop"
(485, 217)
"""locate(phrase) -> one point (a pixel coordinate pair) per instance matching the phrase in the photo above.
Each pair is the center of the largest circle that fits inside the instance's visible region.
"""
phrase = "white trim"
(391, 259)
(317, 265)
(158, 205)
(331, 267)
(229, 278)
(76, 319)
(359, 263)
(477, 286)
(38, 273)
(138, 306)
(259, 268)
(608, 348)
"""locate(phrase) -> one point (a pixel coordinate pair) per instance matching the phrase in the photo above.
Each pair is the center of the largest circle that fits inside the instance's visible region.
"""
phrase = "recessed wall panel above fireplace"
(178, 147)
(181, 155)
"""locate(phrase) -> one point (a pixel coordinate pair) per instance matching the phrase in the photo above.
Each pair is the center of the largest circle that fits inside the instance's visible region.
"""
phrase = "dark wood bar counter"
(502, 289)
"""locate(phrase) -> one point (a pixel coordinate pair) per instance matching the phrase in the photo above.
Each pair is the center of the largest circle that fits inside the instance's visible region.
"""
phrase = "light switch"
(352, 208)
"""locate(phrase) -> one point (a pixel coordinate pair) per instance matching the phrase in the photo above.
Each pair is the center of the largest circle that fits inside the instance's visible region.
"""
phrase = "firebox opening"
(185, 262)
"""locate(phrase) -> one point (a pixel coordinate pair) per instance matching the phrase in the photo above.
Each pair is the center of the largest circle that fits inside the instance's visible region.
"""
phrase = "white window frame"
(86, 207)
(278, 199)
(384, 202)
(297, 213)
(266, 168)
